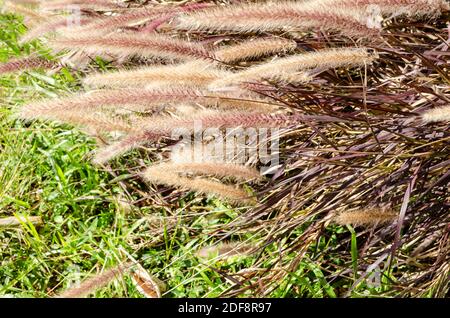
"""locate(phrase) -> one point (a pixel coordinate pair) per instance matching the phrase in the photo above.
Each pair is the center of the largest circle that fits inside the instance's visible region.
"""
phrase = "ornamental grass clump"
(356, 90)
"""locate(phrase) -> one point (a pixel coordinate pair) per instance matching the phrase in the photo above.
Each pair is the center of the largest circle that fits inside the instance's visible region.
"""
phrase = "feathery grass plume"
(195, 74)
(165, 17)
(254, 49)
(154, 128)
(329, 58)
(133, 44)
(97, 5)
(98, 281)
(371, 216)
(291, 78)
(109, 23)
(221, 170)
(94, 121)
(225, 250)
(25, 63)
(133, 17)
(398, 7)
(128, 143)
(52, 25)
(149, 98)
(436, 114)
(18, 220)
(32, 17)
(160, 174)
(286, 15)
(164, 126)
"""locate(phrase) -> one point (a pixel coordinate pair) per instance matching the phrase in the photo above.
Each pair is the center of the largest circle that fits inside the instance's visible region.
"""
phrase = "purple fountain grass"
(149, 98)
(163, 18)
(194, 74)
(133, 44)
(353, 136)
(254, 49)
(24, 64)
(323, 59)
(109, 23)
(51, 25)
(220, 169)
(217, 119)
(127, 144)
(135, 16)
(95, 121)
(155, 128)
(366, 217)
(163, 174)
(289, 15)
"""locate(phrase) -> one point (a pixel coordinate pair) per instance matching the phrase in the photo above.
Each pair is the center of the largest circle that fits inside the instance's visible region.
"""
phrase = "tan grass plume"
(194, 74)
(94, 121)
(323, 59)
(157, 127)
(369, 216)
(24, 64)
(53, 24)
(254, 49)
(279, 15)
(132, 44)
(220, 170)
(436, 114)
(169, 174)
(149, 98)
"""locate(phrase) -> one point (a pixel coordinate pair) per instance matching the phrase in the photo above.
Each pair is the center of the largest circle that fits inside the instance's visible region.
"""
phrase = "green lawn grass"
(87, 226)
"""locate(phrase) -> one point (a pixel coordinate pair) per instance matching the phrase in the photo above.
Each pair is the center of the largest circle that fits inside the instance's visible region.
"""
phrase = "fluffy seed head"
(154, 128)
(254, 49)
(372, 216)
(286, 15)
(323, 59)
(193, 74)
(24, 64)
(132, 44)
(160, 174)
(437, 114)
